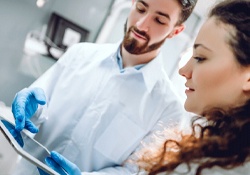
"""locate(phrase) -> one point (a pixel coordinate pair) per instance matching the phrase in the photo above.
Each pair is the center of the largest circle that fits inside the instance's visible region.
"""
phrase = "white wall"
(19, 17)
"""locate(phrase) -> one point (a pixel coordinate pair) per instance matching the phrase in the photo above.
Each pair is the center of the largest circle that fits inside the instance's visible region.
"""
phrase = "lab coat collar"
(154, 72)
(112, 55)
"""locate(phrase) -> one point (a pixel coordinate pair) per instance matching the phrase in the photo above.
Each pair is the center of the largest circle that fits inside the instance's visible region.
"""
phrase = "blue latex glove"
(41, 172)
(16, 134)
(24, 107)
(57, 162)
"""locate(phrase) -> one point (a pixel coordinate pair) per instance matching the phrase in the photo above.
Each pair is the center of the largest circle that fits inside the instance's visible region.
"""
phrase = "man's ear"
(178, 29)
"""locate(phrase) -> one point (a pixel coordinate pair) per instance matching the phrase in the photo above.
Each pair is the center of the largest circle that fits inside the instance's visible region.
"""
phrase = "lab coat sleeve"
(49, 79)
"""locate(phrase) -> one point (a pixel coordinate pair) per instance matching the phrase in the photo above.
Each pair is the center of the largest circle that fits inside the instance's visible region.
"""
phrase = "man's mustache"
(142, 33)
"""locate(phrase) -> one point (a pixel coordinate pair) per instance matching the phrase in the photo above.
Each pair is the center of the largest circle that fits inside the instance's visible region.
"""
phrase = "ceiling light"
(40, 3)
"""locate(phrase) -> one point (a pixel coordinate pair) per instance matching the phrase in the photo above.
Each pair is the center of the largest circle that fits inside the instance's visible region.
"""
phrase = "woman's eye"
(199, 59)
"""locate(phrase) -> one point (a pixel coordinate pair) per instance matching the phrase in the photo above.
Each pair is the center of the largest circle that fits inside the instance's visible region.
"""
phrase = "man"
(103, 100)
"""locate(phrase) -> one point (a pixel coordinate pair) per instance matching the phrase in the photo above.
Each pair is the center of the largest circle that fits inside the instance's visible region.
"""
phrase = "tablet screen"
(32, 150)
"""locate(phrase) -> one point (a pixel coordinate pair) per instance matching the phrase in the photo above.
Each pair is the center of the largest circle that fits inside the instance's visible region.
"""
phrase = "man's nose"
(144, 23)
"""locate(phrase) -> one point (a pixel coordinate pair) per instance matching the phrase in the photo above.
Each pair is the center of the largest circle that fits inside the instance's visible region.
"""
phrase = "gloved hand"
(24, 107)
(16, 134)
(57, 162)
(41, 172)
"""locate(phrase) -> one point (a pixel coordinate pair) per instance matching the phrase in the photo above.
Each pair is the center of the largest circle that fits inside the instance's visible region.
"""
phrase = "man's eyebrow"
(201, 45)
(158, 12)
(143, 2)
(164, 14)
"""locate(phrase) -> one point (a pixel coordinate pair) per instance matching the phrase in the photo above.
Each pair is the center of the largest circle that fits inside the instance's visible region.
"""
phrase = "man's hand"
(24, 107)
(16, 134)
(60, 164)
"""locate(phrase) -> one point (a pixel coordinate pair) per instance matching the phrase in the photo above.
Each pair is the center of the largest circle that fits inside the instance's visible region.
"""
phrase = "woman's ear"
(246, 85)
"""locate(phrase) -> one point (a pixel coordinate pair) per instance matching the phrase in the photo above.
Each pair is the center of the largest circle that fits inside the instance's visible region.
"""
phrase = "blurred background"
(35, 33)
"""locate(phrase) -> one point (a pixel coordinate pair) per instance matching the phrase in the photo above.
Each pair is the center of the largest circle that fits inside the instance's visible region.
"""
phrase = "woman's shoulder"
(240, 170)
(182, 169)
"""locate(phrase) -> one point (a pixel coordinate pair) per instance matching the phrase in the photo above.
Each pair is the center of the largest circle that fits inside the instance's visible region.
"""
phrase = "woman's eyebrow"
(201, 45)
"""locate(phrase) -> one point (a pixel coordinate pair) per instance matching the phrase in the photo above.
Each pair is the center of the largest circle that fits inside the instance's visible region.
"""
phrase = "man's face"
(149, 24)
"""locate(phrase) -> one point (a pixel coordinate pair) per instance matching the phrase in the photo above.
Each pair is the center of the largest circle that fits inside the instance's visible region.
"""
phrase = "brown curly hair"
(224, 138)
(223, 141)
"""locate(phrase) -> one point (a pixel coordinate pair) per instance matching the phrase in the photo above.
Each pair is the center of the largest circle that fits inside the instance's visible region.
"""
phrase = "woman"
(218, 89)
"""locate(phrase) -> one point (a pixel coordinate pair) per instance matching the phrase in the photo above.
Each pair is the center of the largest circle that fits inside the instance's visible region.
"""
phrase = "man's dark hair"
(187, 9)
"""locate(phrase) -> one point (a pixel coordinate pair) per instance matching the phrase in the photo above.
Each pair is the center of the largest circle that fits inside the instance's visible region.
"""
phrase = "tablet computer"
(32, 151)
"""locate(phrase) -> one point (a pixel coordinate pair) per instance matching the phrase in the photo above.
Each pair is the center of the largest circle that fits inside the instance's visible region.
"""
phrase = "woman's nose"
(186, 71)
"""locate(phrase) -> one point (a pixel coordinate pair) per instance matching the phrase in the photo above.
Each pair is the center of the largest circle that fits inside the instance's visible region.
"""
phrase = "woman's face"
(214, 77)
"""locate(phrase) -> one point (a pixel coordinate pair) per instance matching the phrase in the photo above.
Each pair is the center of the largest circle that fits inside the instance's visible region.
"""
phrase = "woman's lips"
(189, 90)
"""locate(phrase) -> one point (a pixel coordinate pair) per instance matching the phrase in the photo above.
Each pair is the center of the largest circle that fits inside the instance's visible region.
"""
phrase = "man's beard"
(134, 47)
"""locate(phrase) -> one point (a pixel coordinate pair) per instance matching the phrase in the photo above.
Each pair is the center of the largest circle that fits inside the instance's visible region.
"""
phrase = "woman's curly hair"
(224, 139)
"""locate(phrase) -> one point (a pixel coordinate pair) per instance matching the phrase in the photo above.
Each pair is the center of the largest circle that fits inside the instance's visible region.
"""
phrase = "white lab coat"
(97, 115)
